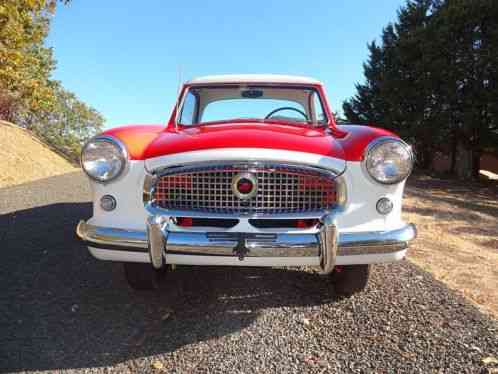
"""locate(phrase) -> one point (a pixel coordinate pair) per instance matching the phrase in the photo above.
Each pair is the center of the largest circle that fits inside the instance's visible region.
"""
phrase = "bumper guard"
(327, 244)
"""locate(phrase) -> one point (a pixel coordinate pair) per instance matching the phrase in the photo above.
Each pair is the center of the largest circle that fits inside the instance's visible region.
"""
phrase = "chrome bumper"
(327, 244)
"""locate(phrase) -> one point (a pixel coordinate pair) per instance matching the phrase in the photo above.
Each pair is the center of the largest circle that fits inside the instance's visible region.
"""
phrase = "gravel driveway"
(61, 309)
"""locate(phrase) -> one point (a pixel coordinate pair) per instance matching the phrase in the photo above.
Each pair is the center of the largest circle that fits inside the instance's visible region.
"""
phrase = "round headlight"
(103, 158)
(389, 160)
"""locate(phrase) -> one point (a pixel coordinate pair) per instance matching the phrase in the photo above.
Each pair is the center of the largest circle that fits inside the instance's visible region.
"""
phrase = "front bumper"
(327, 245)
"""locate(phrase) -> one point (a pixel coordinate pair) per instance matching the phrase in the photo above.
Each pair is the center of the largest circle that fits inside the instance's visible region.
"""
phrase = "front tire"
(141, 276)
(350, 279)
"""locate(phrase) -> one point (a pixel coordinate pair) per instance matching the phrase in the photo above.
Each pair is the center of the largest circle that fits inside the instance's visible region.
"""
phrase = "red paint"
(149, 141)
(357, 139)
(244, 135)
(136, 138)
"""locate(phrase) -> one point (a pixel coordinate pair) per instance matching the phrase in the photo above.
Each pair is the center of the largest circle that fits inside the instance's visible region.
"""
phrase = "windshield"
(212, 104)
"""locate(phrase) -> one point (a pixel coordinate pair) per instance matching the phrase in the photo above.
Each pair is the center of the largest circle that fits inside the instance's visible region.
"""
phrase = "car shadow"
(62, 309)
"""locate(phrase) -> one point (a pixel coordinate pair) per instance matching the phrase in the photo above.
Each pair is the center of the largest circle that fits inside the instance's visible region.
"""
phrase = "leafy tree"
(68, 124)
(367, 106)
(396, 91)
(433, 79)
(25, 64)
(28, 96)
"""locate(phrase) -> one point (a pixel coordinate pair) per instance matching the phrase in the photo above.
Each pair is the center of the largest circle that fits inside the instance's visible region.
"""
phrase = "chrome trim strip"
(284, 245)
(111, 236)
(379, 238)
(183, 168)
(348, 244)
(194, 214)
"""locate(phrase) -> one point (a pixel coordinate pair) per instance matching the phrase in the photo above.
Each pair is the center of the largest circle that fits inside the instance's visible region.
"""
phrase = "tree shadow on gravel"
(62, 309)
(470, 198)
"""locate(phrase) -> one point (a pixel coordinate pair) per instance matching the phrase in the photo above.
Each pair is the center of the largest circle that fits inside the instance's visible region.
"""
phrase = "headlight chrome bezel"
(373, 145)
(122, 154)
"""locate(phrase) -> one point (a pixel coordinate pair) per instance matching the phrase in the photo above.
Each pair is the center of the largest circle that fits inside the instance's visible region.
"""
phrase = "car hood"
(246, 135)
(151, 142)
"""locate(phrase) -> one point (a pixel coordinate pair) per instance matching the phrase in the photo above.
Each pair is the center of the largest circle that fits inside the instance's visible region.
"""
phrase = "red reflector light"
(184, 221)
(305, 223)
(301, 224)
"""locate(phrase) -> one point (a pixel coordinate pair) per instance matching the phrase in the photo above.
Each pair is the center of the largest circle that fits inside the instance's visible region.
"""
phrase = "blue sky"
(123, 57)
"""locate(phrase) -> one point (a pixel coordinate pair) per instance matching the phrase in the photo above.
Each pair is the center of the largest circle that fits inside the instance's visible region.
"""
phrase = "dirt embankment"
(25, 158)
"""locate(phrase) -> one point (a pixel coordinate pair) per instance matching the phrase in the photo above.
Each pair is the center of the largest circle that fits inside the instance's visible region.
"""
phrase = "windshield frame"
(328, 121)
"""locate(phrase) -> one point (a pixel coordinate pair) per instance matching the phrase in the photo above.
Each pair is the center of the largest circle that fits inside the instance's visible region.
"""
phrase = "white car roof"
(253, 78)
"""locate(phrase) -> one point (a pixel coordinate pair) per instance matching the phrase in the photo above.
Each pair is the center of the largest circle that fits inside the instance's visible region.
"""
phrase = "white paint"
(247, 154)
(371, 259)
(127, 189)
(119, 256)
(253, 78)
(359, 212)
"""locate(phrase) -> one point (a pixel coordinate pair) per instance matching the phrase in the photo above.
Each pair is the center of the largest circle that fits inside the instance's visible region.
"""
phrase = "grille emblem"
(244, 185)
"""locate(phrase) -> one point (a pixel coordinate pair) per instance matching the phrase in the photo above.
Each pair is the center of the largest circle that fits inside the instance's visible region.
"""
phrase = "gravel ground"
(62, 310)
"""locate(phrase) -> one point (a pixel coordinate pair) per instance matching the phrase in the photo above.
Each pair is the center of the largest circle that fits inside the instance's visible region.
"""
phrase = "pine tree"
(433, 79)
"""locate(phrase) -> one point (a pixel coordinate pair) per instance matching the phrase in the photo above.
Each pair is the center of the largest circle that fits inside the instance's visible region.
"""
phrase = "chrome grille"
(281, 188)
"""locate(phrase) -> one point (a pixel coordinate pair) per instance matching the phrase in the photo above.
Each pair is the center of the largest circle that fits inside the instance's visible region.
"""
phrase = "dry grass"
(25, 159)
(458, 235)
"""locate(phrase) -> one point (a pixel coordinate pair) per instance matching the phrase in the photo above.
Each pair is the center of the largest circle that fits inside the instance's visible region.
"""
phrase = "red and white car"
(250, 170)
